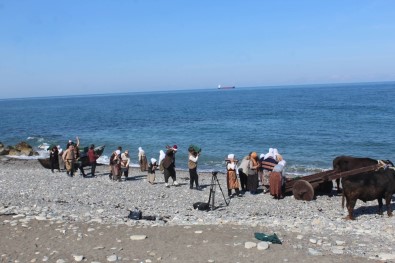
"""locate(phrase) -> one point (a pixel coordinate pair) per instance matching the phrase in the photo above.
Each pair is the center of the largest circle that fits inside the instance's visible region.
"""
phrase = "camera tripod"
(213, 186)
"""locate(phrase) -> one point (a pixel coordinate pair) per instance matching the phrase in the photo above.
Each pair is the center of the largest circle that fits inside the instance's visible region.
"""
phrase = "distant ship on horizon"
(226, 87)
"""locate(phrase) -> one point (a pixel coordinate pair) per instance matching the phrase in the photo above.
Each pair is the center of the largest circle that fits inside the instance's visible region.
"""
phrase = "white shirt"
(233, 166)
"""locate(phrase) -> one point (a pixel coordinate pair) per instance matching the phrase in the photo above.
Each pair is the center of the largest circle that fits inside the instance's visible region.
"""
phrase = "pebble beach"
(51, 217)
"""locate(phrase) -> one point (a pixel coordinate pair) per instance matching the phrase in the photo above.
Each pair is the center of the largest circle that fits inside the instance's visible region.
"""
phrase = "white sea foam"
(39, 139)
(44, 146)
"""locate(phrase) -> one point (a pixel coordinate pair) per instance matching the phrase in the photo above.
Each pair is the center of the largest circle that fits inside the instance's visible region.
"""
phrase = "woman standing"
(162, 156)
(192, 165)
(231, 175)
(115, 163)
(142, 160)
(151, 171)
(253, 166)
(277, 180)
(54, 158)
(243, 172)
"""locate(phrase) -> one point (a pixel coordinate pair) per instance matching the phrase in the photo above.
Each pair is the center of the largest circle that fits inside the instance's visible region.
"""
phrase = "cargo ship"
(226, 87)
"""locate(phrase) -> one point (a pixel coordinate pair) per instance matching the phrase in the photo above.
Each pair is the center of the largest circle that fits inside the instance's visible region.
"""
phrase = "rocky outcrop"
(21, 149)
(3, 149)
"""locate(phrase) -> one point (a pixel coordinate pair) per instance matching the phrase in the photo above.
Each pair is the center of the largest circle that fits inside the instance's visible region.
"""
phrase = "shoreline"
(296, 171)
(311, 230)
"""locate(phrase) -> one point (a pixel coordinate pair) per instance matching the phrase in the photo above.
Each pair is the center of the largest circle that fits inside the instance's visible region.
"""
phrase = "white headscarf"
(162, 155)
(153, 160)
(231, 165)
(60, 150)
(141, 153)
(269, 154)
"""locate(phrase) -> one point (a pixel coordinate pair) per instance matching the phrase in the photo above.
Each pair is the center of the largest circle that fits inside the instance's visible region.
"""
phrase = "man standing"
(169, 165)
(69, 160)
(92, 159)
(125, 163)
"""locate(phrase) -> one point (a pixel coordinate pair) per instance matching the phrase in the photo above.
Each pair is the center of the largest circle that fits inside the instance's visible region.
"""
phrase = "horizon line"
(197, 89)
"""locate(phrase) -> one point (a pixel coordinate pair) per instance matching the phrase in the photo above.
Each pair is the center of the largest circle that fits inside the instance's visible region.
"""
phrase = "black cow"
(367, 187)
(348, 163)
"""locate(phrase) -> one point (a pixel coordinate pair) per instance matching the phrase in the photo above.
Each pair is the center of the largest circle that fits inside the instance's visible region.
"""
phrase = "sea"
(309, 124)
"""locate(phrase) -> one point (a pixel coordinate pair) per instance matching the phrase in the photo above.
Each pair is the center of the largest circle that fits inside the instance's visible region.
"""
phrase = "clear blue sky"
(50, 48)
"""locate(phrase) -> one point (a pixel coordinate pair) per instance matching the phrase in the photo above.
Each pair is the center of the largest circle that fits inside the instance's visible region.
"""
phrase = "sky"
(73, 47)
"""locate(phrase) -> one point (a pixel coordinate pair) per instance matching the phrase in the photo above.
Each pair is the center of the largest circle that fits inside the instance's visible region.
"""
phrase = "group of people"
(70, 158)
(119, 164)
(166, 164)
(268, 170)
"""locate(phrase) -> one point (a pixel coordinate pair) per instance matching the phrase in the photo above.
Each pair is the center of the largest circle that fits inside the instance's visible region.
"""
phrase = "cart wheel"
(303, 190)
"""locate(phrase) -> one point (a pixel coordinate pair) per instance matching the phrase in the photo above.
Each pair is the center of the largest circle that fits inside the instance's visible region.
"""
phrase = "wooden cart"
(306, 187)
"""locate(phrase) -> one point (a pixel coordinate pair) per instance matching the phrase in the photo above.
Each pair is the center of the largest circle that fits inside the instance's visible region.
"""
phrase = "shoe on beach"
(175, 183)
(167, 185)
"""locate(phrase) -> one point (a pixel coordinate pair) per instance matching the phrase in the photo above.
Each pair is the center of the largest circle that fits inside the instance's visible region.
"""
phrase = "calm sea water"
(309, 125)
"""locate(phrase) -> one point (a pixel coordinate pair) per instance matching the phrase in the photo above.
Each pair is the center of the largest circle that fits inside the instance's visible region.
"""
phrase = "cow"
(348, 163)
(369, 186)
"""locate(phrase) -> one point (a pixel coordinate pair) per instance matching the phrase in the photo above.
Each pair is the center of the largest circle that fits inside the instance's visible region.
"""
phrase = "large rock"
(4, 150)
(21, 148)
(14, 152)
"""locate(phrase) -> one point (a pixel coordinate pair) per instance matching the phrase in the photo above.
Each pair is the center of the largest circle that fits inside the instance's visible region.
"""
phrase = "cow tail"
(343, 199)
